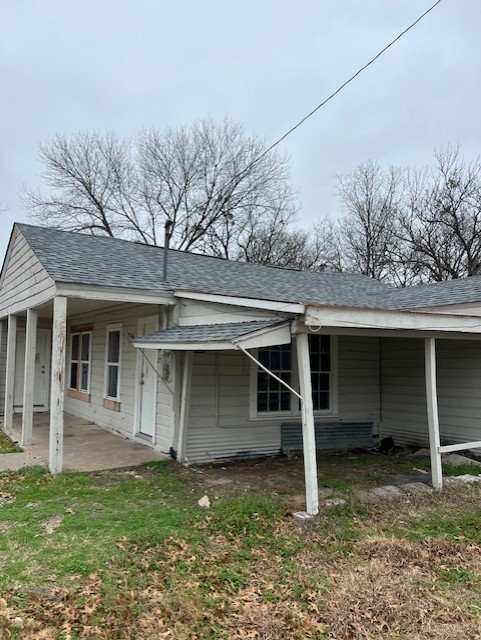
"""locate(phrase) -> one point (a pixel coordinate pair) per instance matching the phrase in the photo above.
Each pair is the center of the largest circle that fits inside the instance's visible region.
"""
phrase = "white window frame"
(294, 412)
(80, 362)
(110, 329)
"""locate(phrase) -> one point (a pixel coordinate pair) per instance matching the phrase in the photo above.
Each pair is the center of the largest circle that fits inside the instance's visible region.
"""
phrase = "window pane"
(286, 358)
(275, 359)
(85, 346)
(324, 382)
(285, 401)
(262, 381)
(264, 356)
(74, 346)
(114, 346)
(323, 400)
(73, 375)
(314, 342)
(325, 344)
(274, 402)
(113, 381)
(84, 382)
(262, 402)
(325, 362)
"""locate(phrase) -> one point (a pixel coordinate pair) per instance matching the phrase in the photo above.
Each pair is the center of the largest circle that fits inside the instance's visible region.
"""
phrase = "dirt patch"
(50, 524)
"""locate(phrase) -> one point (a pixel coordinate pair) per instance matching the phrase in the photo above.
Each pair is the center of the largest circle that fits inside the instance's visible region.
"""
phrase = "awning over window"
(258, 333)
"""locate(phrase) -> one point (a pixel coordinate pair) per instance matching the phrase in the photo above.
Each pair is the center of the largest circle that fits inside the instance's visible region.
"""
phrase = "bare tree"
(211, 180)
(442, 217)
(370, 201)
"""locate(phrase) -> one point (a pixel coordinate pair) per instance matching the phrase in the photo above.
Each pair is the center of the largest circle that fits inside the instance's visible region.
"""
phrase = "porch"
(87, 447)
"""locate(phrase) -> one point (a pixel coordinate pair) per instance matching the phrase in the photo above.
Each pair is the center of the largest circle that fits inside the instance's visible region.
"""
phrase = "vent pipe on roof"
(167, 236)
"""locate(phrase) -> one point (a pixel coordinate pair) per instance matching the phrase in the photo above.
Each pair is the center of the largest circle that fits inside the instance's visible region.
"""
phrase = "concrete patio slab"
(14, 461)
(87, 447)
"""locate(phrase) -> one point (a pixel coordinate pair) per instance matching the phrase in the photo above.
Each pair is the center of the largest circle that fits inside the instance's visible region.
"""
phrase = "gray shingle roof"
(208, 332)
(461, 291)
(110, 262)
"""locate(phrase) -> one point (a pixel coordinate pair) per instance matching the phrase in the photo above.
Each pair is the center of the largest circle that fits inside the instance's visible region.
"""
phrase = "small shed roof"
(218, 336)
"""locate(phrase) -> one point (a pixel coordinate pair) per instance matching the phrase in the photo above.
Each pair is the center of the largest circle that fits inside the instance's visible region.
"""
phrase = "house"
(216, 359)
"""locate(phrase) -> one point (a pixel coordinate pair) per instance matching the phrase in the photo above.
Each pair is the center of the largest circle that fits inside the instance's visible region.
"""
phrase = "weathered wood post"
(29, 375)
(57, 391)
(10, 371)
(308, 432)
(433, 418)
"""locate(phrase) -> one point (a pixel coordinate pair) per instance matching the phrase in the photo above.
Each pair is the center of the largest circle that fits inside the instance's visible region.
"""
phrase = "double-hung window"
(271, 397)
(112, 362)
(80, 362)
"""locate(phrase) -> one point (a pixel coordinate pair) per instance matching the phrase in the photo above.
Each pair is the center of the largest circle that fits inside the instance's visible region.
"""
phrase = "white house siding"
(122, 421)
(219, 425)
(25, 283)
(194, 312)
(3, 362)
(404, 413)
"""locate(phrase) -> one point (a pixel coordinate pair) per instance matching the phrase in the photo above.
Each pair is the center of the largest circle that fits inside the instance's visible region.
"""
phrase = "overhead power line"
(324, 102)
(344, 84)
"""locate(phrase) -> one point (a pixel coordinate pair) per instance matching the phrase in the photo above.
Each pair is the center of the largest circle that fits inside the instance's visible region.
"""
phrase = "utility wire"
(324, 102)
(348, 81)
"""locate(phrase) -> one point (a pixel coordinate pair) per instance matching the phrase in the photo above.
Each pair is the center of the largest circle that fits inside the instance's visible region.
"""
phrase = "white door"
(42, 370)
(147, 380)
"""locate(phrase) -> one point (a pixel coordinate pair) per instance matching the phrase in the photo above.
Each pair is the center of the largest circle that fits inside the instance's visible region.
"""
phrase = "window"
(272, 397)
(320, 356)
(271, 394)
(80, 356)
(112, 364)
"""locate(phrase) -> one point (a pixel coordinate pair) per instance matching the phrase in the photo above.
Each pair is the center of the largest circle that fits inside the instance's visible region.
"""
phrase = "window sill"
(78, 395)
(271, 417)
(112, 405)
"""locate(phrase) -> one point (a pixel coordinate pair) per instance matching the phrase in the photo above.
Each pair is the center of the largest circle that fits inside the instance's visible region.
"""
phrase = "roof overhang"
(113, 294)
(249, 337)
(387, 320)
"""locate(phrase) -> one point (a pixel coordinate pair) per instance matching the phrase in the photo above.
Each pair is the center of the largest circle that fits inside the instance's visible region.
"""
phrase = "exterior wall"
(219, 425)
(404, 414)
(25, 283)
(3, 363)
(124, 420)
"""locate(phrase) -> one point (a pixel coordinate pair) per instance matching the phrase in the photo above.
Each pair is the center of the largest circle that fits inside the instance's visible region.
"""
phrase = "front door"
(42, 366)
(147, 380)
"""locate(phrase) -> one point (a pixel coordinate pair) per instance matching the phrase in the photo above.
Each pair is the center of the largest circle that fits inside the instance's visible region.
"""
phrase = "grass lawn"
(6, 445)
(129, 554)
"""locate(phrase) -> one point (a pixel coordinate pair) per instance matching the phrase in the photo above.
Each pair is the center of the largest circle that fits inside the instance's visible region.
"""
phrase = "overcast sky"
(124, 65)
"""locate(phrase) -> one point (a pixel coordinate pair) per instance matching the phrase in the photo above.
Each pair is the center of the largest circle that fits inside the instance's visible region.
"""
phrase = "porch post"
(29, 376)
(308, 432)
(10, 372)
(184, 405)
(433, 419)
(57, 393)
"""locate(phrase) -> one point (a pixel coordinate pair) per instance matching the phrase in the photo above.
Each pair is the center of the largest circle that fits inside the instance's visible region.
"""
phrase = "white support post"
(10, 372)
(308, 432)
(59, 330)
(184, 406)
(29, 376)
(433, 419)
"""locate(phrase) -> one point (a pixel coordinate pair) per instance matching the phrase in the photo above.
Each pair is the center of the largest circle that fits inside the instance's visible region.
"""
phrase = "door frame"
(138, 370)
(39, 408)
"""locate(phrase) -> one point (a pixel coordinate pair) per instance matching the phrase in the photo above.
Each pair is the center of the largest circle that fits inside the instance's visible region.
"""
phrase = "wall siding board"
(3, 363)
(194, 312)
(219, 425)
(404, 414)
(25, 282)
(122, 421)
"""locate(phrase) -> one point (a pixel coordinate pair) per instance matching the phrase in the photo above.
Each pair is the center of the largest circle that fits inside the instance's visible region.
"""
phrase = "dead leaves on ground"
(386, 588)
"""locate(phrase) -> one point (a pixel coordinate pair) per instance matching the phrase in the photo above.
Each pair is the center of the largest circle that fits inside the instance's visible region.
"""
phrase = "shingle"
(208, 332)
(110, 262)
